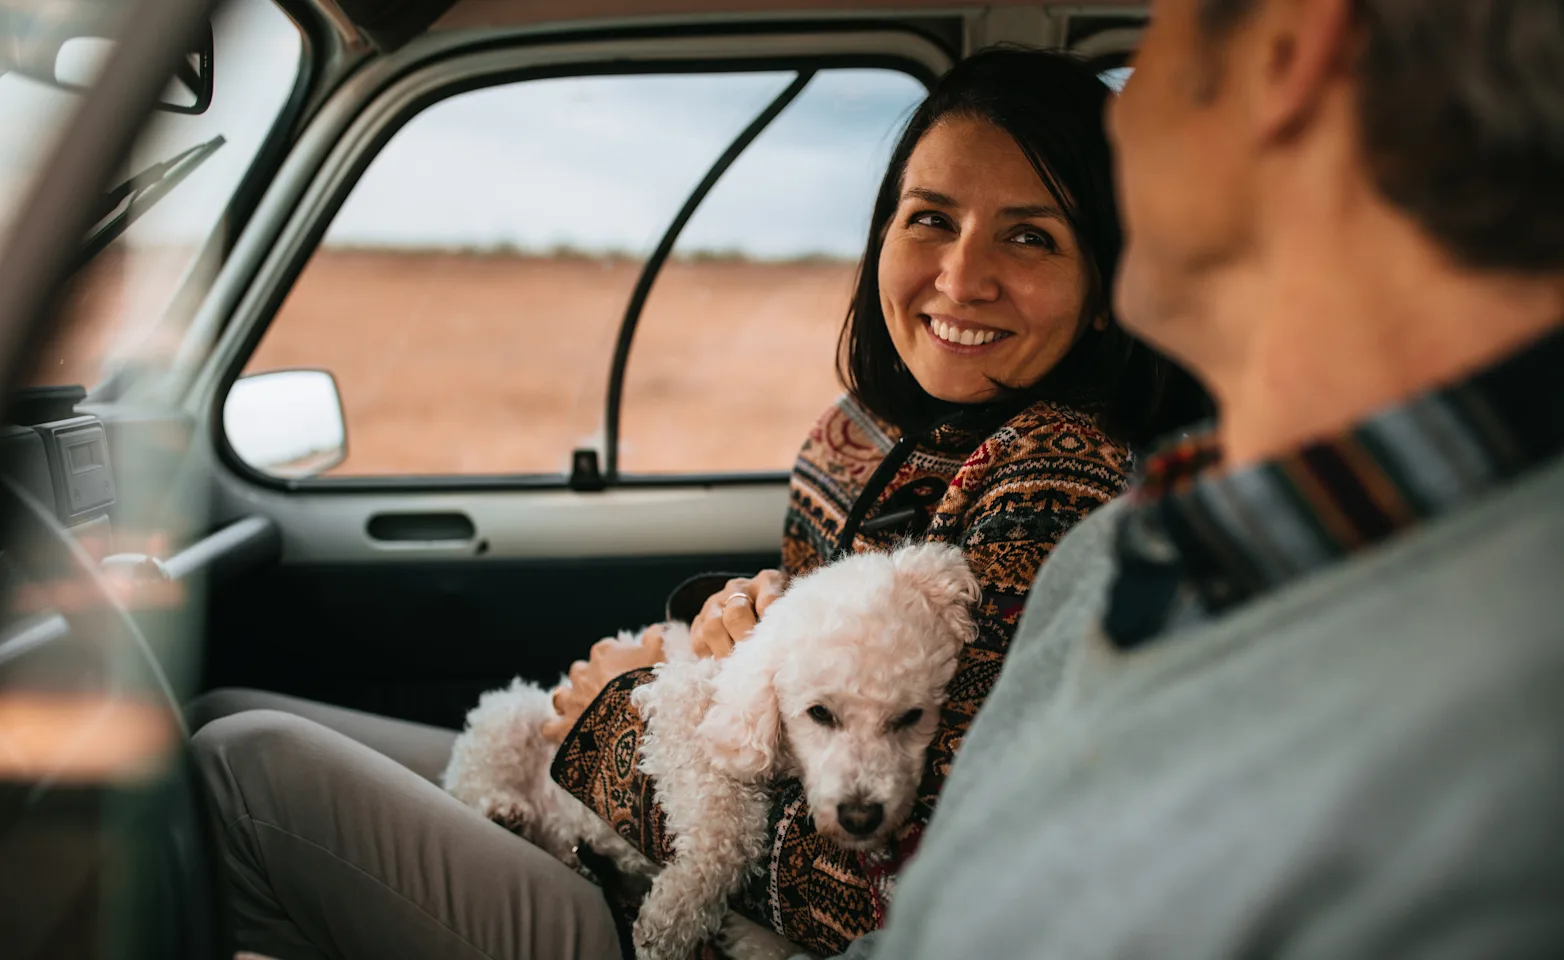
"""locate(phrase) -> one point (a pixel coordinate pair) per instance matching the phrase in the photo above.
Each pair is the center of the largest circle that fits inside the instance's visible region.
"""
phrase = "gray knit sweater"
(1366, 763)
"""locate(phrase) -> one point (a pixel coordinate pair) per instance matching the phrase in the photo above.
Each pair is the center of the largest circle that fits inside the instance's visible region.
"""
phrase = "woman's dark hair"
(1052, 105)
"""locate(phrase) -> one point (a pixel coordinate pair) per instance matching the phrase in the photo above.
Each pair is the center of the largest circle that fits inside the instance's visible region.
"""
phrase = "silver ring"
(735, 596)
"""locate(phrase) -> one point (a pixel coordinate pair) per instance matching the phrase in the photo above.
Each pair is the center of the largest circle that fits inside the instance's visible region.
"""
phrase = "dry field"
(485, 364)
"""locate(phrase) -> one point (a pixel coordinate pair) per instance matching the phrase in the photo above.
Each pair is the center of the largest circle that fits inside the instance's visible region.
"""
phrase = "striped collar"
(1198, 540)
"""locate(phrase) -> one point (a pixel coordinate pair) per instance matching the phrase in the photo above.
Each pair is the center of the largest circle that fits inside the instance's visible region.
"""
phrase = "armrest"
(244, 544)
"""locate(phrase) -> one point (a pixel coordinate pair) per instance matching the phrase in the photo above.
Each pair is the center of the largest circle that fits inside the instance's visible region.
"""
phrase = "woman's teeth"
(965, 338)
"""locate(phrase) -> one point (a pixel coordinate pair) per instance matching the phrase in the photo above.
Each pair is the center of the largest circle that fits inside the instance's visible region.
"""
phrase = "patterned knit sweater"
(1005, 497)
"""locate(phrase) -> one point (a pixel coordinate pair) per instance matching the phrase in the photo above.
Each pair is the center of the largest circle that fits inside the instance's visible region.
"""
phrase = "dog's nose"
(860, 819)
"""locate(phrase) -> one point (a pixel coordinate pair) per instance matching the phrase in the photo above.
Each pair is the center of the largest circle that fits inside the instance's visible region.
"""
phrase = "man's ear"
(1305, 46)
(940, 573)
(742, 729)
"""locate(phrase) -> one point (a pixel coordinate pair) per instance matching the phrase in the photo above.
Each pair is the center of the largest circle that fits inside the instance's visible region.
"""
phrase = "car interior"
(261, 513)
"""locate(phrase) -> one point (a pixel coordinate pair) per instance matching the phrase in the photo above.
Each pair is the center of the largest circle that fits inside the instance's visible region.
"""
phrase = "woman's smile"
(962, 337)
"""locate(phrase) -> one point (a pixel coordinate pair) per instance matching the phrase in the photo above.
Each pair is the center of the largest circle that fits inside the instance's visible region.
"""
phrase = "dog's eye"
(822, 716)
(908, 719)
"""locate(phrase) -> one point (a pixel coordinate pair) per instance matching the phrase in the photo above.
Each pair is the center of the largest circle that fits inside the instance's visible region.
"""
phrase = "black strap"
(985, 418)
(878, 481)
(882, 477)
(618, 891)
(686, 600)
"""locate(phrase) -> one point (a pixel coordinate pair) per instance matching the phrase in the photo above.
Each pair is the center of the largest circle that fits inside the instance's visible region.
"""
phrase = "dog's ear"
(940, 573)
(742, 729)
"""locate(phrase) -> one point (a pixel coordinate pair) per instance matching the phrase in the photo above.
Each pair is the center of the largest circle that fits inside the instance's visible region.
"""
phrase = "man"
(1301, 693)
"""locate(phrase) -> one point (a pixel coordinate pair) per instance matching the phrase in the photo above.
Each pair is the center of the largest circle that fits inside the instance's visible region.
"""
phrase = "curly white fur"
(840, 684)
(500, 767)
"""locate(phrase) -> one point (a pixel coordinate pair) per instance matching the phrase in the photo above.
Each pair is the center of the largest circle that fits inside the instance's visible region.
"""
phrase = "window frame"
(381, 116)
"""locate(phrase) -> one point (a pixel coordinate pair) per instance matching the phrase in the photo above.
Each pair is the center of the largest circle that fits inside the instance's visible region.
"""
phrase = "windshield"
(116, 310)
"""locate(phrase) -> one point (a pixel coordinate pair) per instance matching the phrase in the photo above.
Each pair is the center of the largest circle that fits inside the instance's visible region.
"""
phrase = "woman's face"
(981, 277)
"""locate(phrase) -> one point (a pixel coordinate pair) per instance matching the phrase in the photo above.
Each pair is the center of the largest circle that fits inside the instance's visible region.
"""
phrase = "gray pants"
(340, 844)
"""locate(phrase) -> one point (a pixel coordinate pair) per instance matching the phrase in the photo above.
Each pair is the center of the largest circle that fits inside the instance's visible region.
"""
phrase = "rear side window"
(470, 294)
(734, 359)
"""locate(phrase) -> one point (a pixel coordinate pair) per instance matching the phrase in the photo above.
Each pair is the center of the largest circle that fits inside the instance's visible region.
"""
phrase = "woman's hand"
(609, 658)
(731, 613)
(726, 618)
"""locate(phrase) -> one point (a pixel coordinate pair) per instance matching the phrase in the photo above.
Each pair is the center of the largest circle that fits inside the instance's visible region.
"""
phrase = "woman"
(992, 402)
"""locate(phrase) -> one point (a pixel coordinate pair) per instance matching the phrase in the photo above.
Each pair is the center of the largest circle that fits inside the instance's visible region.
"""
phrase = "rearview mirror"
(286, 423)
(70, 55)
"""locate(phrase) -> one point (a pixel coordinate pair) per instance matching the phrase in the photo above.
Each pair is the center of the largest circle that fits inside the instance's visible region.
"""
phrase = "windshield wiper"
(137, 195)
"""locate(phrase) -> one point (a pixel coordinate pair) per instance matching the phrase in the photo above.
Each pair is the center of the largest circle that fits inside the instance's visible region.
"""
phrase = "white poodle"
(840, 685)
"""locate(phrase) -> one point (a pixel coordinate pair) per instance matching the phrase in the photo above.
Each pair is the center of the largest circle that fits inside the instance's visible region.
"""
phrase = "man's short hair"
(1462, 111)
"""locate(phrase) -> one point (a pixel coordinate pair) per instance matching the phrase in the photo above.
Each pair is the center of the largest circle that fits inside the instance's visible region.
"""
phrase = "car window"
(468, 296)
(734, 357)
(1117, 77)
(115, 309)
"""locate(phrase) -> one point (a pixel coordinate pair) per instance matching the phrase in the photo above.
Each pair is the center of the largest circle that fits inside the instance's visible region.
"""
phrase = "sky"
(604, 163)
(599, 164)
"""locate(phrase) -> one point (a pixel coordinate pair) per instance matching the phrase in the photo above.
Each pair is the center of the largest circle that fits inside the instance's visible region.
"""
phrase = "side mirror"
(286, 423)
(70, 55)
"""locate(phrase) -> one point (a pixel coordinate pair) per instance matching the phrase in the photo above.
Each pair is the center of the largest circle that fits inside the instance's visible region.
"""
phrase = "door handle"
(443, 528)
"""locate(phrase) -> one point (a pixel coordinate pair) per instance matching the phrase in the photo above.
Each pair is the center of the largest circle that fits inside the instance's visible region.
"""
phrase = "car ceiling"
(390, 23)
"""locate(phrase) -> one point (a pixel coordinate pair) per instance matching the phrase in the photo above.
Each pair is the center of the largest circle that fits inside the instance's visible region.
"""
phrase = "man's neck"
(1350, 312)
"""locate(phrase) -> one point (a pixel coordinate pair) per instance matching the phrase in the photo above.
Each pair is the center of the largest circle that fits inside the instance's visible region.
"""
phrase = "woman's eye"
(929, 218)
(908, 719)
(822, 716)
(1036, 238)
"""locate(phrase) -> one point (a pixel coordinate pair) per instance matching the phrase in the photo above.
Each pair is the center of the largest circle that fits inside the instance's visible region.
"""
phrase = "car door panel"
(417, 628)
(421, 639)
